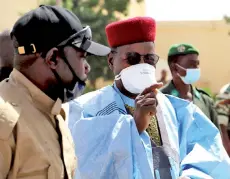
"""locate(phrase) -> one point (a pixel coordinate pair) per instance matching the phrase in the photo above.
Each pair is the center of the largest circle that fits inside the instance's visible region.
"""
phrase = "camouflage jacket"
(223, 105)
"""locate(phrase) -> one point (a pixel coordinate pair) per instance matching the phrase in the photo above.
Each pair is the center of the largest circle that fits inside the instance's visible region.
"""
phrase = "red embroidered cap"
(133, 30)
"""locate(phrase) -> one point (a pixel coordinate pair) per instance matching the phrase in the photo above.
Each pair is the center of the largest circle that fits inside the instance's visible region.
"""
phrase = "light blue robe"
(108, 145)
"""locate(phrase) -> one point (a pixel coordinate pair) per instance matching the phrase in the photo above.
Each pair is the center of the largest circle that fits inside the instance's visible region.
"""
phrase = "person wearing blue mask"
(183, 60)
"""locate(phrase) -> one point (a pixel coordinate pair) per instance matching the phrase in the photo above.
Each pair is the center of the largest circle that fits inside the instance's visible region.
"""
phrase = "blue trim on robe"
(109, 146)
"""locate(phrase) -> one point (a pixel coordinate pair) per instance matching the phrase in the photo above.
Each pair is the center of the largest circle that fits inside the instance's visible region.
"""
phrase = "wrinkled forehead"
(141, 48)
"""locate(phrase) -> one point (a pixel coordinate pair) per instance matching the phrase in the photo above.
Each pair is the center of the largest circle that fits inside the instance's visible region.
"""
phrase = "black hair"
(174, 58)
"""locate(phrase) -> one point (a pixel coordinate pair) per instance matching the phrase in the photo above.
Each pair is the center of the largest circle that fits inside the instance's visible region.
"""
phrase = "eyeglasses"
(134, 58)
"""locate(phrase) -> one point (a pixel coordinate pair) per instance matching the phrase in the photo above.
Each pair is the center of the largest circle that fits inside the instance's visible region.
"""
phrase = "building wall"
(10, 11)
(212, 40)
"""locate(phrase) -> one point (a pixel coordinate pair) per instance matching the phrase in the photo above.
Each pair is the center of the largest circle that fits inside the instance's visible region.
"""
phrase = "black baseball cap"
(52, 26)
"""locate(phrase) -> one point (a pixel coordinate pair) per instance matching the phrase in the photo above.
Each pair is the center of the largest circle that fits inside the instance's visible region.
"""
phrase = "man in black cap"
(50, 68)
(6, 55)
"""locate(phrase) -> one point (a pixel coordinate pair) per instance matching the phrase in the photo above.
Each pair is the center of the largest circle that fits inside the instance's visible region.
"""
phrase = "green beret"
(182, 49)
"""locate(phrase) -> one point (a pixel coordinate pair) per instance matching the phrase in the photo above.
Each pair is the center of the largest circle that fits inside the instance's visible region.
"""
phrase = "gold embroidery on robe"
(152, 130)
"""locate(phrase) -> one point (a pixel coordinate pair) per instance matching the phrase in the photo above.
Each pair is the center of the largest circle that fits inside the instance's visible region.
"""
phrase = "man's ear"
(51, 58)
(110, 59)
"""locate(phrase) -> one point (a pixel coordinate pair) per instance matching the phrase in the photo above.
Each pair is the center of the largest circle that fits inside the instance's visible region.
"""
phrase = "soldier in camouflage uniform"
(223, 110)
(184, 65)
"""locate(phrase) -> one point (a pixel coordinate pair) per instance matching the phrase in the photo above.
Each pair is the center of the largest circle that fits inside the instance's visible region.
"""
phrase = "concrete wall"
(10, 11)
(213, 42)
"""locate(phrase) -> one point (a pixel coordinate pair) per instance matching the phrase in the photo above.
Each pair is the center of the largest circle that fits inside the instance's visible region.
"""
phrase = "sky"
(173, 10)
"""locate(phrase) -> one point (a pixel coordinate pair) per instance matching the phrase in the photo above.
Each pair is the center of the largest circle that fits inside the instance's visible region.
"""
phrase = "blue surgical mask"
(192, 75)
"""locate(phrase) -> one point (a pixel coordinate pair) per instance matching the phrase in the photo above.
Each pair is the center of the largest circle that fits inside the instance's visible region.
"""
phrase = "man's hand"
(145, 107)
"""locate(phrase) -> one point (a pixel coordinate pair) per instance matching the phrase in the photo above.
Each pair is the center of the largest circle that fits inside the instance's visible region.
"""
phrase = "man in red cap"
(131, 130)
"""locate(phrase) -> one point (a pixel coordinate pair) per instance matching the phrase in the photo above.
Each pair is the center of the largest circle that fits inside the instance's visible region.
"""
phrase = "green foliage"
(227, 19)
(50, 2)
(97, 14)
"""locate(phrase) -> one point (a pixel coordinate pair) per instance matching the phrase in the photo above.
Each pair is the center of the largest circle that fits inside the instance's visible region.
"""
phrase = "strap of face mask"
(60, 83)
(118, 77)
(71, 69)
(75, 78)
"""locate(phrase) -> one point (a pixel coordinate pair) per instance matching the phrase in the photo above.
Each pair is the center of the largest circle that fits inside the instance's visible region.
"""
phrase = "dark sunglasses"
(79, 41)
(134, 58)
(79, 37)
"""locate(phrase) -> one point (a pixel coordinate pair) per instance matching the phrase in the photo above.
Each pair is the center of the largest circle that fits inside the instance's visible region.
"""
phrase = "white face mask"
(192, 75)
(137, 77)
